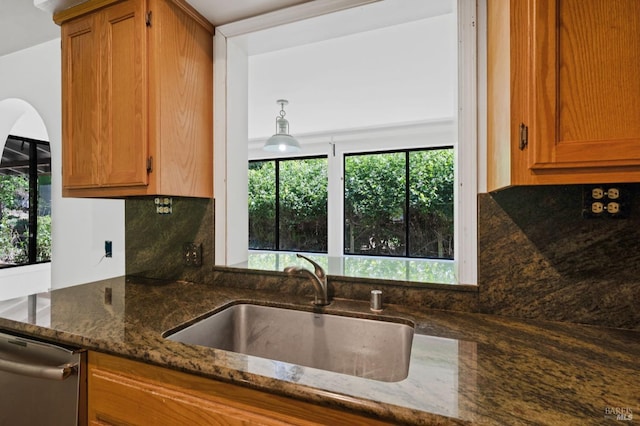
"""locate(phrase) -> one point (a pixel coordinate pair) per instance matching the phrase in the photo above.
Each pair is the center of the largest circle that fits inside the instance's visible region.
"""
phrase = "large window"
(25, 202)
(288, 205)
(396, 203)
(399, 203)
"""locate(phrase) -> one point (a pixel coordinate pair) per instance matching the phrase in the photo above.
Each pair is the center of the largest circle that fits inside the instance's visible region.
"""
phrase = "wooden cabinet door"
(81, 106)
(137, 99)
(124, 95)
(126, 392)
(116, 399)
(181, 98)
(585, 90)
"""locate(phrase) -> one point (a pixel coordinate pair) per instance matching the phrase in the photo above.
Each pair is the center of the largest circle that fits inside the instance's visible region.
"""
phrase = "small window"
(399, 203)
(25, 202)
(288, 205)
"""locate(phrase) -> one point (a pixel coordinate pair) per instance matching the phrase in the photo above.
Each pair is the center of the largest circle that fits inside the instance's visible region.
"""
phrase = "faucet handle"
(318, 269)
(318, 279)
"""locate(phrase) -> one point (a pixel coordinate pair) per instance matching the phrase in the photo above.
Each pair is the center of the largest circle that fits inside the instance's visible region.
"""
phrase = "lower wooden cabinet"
(125, 392)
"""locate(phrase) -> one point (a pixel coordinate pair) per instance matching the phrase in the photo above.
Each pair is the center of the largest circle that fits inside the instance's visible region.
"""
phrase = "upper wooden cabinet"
(137, 99)
(563, 92)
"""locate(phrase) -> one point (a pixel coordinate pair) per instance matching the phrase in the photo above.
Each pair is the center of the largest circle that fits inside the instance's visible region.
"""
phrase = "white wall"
(79, 227)
(397, 74)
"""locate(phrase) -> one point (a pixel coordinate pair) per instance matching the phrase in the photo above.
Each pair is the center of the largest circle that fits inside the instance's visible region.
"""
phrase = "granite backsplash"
(154, 243)
(538, 258)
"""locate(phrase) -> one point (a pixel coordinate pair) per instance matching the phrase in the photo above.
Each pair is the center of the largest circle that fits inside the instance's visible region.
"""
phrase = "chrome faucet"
(318, 278)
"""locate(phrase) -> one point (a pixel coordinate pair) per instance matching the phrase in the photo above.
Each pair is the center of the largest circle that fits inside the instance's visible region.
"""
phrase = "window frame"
(406, 207)
(423, 135)
(427, 134)
(277, 161)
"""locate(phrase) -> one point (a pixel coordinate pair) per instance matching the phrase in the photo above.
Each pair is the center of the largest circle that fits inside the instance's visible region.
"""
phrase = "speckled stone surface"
(417, 295)
(466, 368)
(538, 258)
(154, 242)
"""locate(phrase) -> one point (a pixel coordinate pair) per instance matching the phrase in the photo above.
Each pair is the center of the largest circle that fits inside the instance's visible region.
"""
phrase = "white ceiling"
(220, 12)
(382, 63)
(349, 21)
(24, 25)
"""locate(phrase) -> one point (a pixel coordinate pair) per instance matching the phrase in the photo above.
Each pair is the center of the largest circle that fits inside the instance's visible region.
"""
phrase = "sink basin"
(378, 350)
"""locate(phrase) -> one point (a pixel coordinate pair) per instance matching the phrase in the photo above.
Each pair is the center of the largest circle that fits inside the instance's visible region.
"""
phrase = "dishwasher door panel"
(39, 383)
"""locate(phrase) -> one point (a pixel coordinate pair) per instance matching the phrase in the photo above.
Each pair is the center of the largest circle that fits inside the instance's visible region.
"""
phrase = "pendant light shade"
(282, 141)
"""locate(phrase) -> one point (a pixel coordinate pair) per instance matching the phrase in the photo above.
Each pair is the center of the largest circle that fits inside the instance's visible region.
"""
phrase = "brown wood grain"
(124, 147)
(182, 93)
(134, 93)
(80, 103)
(573, 81)
(122, 391)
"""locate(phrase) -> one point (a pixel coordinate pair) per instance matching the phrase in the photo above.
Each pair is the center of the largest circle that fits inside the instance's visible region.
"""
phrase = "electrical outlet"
(613, 207)
(192, 254)
(605, 201)
(597, 207)
(597, 193)
(164, 205)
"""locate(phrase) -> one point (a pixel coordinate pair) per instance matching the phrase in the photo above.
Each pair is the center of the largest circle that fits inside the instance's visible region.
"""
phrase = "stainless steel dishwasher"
(39, 382)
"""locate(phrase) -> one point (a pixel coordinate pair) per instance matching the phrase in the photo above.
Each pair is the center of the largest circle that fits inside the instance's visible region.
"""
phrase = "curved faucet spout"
(318, 279)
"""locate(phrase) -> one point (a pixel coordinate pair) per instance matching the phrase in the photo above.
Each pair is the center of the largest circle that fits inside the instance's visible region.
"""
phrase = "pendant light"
(282, 141)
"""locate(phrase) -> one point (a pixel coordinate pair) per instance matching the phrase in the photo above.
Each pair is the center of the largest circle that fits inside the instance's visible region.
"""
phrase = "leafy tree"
(262, 205)
(431, 180)
(14, 211)
(13, 248)
(13, 189)
(43, 239)
(375, 203)
(302, 203)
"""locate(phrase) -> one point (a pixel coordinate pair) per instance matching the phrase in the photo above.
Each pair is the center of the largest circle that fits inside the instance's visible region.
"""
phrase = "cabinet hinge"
(524, 136)
(148, 19)
(149, 164)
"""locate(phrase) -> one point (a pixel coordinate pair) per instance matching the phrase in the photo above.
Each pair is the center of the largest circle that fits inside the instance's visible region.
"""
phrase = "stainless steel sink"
(378, 350)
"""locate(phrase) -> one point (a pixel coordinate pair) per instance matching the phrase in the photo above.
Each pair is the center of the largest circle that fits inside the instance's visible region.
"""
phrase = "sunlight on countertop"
(398, 269)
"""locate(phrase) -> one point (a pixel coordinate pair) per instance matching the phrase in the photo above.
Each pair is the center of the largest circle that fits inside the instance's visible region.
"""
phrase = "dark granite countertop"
(465, 368)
